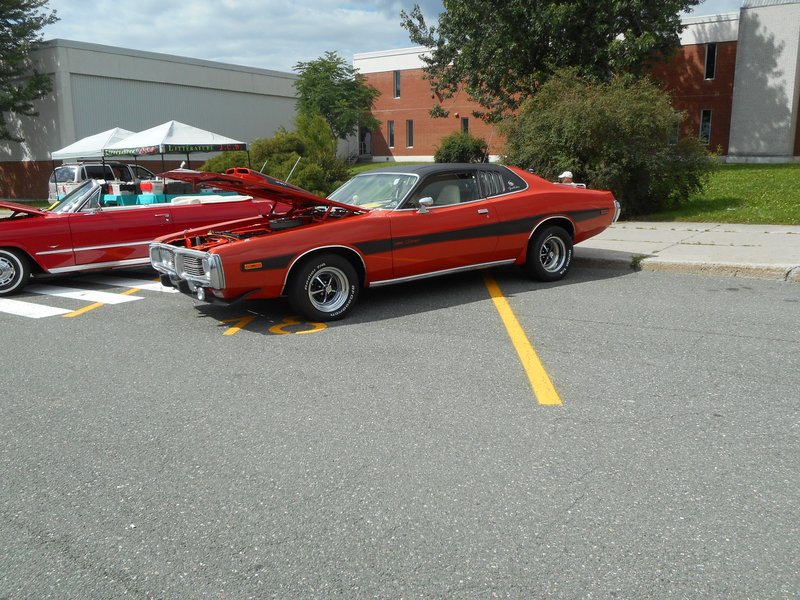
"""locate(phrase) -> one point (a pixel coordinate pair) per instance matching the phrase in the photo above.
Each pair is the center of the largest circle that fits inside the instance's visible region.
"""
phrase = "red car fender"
(337, 249)
(557, 219)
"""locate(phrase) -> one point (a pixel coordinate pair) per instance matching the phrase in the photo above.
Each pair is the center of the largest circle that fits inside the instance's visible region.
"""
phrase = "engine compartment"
(267, 226)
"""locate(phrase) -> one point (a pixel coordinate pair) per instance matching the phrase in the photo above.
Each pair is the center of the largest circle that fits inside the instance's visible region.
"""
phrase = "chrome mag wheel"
(329, 290)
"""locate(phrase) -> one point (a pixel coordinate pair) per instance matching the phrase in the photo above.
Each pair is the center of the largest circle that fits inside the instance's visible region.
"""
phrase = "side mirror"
(424, 205)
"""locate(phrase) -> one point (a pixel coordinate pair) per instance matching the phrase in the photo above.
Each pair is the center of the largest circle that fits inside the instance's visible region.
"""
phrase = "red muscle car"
(385, 226)
(84, 233)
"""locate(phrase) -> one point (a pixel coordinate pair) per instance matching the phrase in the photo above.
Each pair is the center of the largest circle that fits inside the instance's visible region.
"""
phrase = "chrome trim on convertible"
(496, 263)
(132, 262)
(87, 248)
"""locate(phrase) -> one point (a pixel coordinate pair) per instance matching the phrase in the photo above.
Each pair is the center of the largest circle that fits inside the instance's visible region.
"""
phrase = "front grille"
(193, 265)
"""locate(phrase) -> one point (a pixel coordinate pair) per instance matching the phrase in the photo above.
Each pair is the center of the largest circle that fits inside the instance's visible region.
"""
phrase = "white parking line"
(129, 282)
(29, 309)
(76, 294)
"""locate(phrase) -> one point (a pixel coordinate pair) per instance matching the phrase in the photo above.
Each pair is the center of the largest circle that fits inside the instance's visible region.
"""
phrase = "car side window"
(447, 189)
(142, 173)
(121, 173)
(97, 172)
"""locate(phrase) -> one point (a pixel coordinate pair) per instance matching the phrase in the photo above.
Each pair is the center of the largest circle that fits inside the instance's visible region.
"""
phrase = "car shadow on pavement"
(401, 300)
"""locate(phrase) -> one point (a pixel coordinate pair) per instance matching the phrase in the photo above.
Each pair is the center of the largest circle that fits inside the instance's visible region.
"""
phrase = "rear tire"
(15, 271)
(549, 254)
(324, 287)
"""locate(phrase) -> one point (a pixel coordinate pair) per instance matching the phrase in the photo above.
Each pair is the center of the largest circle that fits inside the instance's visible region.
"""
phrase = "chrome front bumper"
(197, 270)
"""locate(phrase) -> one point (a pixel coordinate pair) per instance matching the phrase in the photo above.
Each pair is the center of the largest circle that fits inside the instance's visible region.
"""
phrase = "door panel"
(117, 233)
(447, 237)
(458, 230)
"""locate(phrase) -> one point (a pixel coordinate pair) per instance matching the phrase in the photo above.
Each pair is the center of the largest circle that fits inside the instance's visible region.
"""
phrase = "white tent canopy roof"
(91, 146)
(173, 137)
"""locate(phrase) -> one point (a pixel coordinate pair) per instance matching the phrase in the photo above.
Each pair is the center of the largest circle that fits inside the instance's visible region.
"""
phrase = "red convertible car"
(385, 226)
(85, 233)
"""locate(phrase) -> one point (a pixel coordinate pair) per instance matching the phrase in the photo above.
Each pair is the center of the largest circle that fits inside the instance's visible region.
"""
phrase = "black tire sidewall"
(22, 271)
(298, 289)
(534, 264)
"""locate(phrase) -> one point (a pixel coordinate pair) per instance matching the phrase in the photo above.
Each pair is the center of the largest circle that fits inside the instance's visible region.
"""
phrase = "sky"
(268, 34)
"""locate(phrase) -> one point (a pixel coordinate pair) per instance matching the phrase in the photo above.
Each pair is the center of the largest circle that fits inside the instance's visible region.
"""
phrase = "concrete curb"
(774, 272)
(624, 261)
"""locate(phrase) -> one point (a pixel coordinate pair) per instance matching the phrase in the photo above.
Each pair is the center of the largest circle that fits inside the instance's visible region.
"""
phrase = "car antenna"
(293, 168)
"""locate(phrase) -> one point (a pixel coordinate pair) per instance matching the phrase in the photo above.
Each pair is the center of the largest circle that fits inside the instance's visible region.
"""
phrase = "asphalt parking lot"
(161, 448)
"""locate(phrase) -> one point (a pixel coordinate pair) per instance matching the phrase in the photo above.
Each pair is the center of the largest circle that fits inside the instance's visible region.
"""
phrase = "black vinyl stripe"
(382, 246)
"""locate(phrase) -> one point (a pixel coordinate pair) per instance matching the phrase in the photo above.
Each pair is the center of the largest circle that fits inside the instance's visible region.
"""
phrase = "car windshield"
(73, 201)
(375, 190)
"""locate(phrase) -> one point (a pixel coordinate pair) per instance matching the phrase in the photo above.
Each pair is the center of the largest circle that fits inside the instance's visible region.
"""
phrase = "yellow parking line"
(540, 381)
(86, 309)
(240, 323)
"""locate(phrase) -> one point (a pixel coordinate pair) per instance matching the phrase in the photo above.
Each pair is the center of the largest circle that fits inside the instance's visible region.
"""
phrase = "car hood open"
(256, 184)
(23, 208)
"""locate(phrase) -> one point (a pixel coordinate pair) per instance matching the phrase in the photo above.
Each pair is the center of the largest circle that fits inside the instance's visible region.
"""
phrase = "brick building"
(736, 76)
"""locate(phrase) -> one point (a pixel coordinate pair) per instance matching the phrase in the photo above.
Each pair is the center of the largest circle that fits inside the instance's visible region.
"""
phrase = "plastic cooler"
(153, 186)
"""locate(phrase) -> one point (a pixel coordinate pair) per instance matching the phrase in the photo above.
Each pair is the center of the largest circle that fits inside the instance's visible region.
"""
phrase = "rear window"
(63, 175)
(499, 182)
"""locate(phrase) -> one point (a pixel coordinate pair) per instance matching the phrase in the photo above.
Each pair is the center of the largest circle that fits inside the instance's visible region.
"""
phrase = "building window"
(390, 127)
(410, 133)
(397, 84)
(465, 124)
(676, 131)
(711, 60)
(705, 125)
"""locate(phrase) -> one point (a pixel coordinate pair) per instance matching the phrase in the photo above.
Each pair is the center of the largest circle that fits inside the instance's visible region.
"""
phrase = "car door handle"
(483, 211)
(166, 215)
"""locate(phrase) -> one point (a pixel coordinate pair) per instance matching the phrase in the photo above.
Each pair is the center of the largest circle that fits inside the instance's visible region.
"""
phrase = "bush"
(461, 147)
(319, 170)
(613, 135)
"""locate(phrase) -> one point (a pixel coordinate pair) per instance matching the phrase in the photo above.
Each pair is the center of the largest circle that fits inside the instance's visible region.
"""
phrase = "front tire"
(15, 271)
(324, 288)
(549, 254)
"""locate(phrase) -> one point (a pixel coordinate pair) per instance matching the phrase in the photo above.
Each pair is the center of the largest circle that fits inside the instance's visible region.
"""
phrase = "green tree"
(308, 153)
(501, 52)
(614, 135)
(21, 22)
(329, 86)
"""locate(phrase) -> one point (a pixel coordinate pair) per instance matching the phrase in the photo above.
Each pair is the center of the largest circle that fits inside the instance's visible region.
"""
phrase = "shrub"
(319, 170)
(613, 135)
(461, 147)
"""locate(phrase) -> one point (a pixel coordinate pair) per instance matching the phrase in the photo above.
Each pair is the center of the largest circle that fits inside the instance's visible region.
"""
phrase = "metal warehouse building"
(96, 88)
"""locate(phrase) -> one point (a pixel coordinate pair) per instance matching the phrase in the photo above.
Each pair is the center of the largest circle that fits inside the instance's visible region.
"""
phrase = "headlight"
(206, 267)
(165, 257)
(168, 258)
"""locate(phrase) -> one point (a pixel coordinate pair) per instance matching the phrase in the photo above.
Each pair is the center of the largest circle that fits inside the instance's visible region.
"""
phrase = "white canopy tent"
(91, 146)
(173, 137)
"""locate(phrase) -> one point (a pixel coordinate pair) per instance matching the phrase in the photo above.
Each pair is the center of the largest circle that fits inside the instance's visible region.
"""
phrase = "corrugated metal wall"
(100, 103)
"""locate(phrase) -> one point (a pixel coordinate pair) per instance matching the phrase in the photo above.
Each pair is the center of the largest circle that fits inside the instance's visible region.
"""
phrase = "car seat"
(450, 194)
